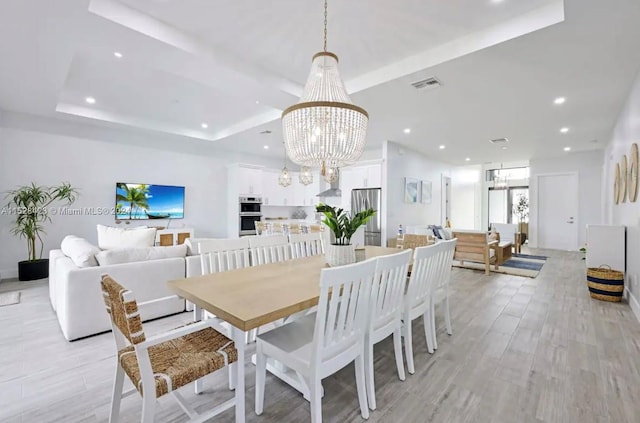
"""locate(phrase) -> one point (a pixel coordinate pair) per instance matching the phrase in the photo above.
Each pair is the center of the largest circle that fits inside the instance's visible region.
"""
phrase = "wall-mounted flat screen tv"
(143, 201)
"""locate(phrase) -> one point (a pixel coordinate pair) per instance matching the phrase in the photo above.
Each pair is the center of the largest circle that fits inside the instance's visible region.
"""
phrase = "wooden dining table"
(252, 297)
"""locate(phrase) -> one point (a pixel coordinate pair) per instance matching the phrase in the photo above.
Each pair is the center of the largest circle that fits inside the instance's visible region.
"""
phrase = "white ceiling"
(236, 64)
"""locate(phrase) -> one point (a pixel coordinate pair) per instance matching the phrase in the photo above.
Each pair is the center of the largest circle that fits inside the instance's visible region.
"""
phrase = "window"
(501, 204)
(510, 174)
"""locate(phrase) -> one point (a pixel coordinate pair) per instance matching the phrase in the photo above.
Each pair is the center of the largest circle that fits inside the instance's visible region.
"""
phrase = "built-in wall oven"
(250, 213)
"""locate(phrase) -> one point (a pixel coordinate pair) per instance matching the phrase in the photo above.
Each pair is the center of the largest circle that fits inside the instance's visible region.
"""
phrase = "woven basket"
(605, 284)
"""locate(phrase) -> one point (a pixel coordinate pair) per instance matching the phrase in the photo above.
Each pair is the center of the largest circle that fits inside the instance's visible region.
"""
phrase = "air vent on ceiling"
(432, 82)
(265, 132)
(499, 141)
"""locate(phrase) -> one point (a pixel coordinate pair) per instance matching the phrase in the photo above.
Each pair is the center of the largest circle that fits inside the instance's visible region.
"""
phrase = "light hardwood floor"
(523, 350)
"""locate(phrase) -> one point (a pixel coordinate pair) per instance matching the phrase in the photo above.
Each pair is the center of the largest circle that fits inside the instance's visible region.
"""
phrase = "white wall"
(400, 162)
(588, 166)
(94, 167)
(466, 197)
(626, 132)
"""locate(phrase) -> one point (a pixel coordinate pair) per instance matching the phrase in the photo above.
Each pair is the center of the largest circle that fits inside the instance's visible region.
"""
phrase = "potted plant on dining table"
(342, 226)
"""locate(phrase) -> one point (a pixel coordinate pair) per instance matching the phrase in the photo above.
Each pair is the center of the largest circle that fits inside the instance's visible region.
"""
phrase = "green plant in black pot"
(30, 206)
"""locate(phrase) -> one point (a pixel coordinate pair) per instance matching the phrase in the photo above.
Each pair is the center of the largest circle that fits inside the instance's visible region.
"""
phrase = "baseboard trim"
(633, 302)
(8, 273)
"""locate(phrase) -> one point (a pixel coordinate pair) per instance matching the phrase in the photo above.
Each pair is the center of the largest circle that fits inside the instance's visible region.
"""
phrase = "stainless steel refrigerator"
(362, 199)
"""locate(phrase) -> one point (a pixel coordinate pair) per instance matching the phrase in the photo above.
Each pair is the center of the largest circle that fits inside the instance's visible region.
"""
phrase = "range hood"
(333, 191)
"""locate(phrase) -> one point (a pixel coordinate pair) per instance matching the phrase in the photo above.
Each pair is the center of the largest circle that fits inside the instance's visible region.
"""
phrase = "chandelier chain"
(325, 25)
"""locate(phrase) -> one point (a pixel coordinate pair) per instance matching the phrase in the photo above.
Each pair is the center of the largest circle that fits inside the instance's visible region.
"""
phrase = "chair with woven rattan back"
(261, 227)
(161, 364)
(315, 228)
(294, 229)
(414, 241)
(277, 228)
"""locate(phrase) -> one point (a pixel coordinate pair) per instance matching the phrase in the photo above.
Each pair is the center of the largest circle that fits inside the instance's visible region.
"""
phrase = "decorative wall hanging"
(616, 183)
(425, 192)
(623, 179)
(410, 190)
(632, 181)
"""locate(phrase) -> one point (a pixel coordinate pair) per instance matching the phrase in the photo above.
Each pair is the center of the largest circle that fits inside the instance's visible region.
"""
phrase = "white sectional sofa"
(76, 296)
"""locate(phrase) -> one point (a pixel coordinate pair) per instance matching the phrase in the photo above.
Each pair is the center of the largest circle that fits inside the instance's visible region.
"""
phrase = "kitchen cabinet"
(248, 179)
(274, 194)
(296, 194)
(308, 193)
(354, 177)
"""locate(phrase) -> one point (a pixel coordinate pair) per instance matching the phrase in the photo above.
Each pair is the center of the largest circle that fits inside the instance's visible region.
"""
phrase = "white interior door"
(558, 211)
(446, 199)
(498, 206)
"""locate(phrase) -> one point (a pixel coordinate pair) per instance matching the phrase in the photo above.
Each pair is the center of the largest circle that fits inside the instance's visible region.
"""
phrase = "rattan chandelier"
(324, 129)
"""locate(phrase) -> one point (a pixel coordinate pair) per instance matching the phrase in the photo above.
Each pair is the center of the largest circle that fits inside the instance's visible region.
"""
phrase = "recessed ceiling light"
(90, 100)
(504, 147)
(117, 54)
(496, 1)
(204, 126)
(407, 130)
(442, 147)
(266, 147)
(467, 159)
(567, 149)
(564, 130)
(559, 100)
(257, 101)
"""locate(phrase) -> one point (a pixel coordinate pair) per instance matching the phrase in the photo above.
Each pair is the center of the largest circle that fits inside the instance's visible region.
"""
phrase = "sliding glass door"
(502, 201)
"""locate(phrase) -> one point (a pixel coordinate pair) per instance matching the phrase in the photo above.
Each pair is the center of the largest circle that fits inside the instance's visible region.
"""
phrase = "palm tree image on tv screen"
(143, 201)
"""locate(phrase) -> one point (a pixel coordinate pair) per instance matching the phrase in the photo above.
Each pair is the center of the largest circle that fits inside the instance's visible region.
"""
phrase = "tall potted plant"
(521, 209)
(342, 227)
(30, 204)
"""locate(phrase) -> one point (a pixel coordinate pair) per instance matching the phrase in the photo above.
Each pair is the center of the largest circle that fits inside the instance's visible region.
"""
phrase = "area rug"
(9, 298)
(518, 265)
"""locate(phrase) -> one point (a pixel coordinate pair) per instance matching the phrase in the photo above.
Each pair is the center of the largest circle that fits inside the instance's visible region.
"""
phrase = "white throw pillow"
(80, 251)
(130, 255)
(110, 237)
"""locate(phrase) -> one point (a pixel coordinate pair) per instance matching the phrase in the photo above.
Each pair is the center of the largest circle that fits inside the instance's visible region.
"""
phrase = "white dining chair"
(440, 288)
(220, 255)
(268, 249)
(161, 364)
(385, 313)
(321, 344)
(418, 297)
(306, 245)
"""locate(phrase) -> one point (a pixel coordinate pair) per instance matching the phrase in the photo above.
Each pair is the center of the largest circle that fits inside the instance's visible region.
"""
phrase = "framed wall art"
(425, 192)
(410, 190)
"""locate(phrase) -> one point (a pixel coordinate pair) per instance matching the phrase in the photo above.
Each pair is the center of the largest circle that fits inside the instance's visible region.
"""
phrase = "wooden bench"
(475, 246)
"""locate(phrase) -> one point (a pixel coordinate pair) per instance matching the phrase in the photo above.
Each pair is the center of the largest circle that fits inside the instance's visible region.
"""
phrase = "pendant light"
(499, 181)
(284, 180)
(305, 176)
(324, 129)
(331, 175)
